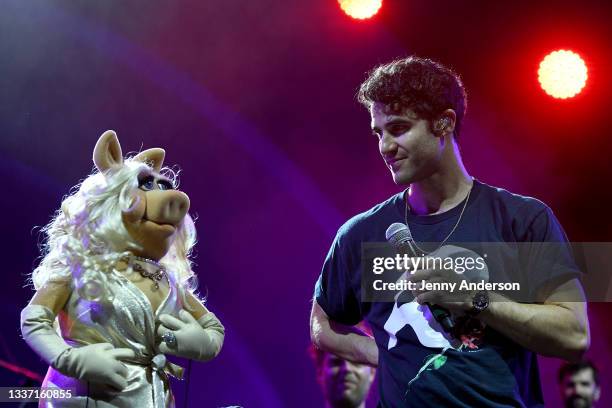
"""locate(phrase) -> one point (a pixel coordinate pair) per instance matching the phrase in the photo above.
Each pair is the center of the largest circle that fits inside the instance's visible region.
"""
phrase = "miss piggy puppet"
(116, 274)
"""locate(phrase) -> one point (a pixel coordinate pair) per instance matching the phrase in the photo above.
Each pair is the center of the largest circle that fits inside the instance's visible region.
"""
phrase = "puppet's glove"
(195, 339)
(95, 362)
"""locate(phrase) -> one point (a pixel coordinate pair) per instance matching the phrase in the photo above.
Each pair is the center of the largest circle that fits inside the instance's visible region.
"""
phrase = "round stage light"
(562, 74)
(360, 9)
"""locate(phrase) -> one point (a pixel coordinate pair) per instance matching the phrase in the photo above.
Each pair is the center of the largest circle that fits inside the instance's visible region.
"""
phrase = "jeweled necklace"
(449, 234)
(155, 276)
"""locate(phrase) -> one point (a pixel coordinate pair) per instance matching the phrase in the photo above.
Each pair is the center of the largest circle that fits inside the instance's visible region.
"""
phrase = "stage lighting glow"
(360, 9)
(562, 74)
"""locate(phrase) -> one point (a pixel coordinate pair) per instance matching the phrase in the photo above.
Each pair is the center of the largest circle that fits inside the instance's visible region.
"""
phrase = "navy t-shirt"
(499, 373)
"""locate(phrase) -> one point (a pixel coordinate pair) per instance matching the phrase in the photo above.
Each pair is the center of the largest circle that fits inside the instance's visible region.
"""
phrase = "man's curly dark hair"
(426, 87)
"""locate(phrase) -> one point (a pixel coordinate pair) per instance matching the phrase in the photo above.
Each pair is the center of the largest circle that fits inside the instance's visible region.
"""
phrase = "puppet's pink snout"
(167, 207)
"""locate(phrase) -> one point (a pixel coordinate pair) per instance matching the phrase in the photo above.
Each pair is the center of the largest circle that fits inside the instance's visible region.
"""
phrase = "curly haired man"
(417, 109)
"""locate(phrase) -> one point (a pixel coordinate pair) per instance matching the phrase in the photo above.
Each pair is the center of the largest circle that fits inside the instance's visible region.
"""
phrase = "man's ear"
(445, 123)
(107, 153)
(372, 374)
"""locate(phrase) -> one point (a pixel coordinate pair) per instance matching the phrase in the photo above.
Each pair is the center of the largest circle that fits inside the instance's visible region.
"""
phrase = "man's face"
(345, 384)
(579, 389)
(409, 148)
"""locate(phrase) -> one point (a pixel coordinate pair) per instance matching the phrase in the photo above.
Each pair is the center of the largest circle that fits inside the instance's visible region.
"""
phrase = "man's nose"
(581, 390)
(386, 144)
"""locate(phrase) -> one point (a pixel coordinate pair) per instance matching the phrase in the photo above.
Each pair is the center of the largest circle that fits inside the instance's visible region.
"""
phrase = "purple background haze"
(254, 100)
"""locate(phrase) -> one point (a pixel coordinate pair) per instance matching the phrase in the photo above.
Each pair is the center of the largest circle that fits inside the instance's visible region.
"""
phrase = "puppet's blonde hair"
(86, 236)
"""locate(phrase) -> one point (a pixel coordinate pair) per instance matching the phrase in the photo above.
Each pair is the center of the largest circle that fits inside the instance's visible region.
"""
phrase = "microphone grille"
(398, 234)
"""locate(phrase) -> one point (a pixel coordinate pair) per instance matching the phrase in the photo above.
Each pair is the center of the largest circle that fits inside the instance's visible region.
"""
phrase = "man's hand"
(455, 300)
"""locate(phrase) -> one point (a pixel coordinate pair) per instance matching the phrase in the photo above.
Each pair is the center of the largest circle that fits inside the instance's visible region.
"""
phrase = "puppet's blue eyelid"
(147, 184)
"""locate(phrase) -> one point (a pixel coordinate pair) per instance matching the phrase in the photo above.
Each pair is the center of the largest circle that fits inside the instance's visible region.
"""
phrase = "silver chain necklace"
(449, 234)
(155, 276)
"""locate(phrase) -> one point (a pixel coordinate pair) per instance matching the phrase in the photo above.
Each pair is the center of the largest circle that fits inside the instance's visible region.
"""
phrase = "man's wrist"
(479, 303)
(495, 300)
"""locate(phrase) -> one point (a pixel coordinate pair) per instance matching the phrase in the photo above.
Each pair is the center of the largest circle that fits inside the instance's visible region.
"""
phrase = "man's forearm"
(344, 341)
(554, 330)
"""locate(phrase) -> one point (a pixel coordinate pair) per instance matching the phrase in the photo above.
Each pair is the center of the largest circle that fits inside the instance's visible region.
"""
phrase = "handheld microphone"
(400, 237)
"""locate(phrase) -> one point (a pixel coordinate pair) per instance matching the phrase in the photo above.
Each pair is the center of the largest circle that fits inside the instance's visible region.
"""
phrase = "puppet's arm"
(199, 339)
(95, 362)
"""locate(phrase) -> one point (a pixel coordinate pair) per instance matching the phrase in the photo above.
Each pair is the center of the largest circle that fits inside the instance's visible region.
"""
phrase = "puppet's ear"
(107, 152)
(154, 157)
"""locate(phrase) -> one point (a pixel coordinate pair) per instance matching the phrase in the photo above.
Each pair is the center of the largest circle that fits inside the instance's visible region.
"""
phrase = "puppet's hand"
(95, 362)
(195, 339)
(98, 363)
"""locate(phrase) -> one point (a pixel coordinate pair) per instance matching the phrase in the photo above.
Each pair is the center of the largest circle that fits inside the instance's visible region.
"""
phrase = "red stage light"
(360, 9)
(562, 74)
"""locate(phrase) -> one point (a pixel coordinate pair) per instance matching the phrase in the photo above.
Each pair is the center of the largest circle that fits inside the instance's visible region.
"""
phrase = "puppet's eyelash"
(165, 185)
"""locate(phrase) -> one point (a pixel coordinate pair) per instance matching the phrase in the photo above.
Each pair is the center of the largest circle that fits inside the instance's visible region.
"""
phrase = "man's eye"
(165, 185)
(399, 130)
(334, 362)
